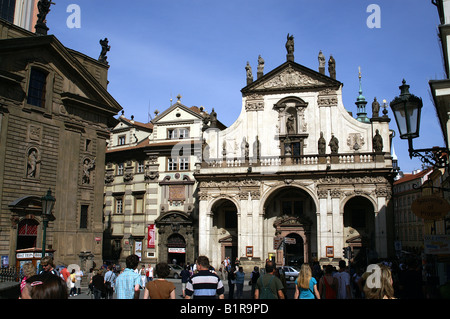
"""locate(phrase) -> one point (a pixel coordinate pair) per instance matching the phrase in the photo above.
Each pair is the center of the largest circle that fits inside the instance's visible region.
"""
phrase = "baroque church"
(296, 178)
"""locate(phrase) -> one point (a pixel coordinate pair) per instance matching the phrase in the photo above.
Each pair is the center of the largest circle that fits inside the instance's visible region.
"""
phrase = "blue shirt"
(125, 284)
(240, 276)
(307, 293)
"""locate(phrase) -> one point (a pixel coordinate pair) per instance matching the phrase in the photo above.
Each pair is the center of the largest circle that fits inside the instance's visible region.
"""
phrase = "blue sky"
(199, 49)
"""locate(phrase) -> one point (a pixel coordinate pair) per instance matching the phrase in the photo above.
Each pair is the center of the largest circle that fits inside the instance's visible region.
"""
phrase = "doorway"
(294, 250)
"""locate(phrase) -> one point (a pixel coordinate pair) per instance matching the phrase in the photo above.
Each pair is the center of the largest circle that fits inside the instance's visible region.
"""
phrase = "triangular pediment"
(177, 113)
(84, 89)
(290, 76)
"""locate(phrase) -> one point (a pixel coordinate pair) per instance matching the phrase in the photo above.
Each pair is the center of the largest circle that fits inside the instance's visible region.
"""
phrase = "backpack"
(266, 292)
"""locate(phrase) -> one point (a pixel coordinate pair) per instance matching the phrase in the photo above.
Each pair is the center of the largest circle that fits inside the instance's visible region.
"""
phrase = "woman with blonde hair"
(382, 287)
(306, 284)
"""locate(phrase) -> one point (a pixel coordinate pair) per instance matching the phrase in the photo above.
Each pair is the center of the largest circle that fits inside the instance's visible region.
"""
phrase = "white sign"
(177, 250)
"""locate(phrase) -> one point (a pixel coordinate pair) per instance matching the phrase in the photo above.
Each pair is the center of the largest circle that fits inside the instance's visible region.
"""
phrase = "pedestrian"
(411, 281)
(98, 285)
(150, 273)
(48, 266)
(343, 277)
(306, 284)
(280, 275)
(29, 270)
(185, 275)
(231, 282)
(72, 280)
(240, 278)
(128, 282)
(45, 286)
(204, 284)
(254, 276)
(143, 275)
(79, 274)
(269, 286)
(328, 285)
(384, 289)
(110, 280)
(160, 288)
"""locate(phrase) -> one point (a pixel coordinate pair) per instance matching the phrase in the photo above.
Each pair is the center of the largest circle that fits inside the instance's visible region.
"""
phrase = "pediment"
(290, 76)
(177, 113)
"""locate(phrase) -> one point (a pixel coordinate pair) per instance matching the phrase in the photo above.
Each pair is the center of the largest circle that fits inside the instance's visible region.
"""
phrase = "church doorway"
(290, 215)
(359, 228)
(294, 250)
(225, 221)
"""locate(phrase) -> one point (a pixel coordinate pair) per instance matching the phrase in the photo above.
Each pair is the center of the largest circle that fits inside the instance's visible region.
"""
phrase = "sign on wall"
(151, 236)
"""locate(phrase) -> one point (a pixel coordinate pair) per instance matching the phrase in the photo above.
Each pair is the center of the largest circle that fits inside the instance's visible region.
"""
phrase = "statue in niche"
(244, 148)
(32, 162)
(260, 70)
(88, 166)
(205, 150)
(105, 48)
(334, 144)
(322, 144)
(248, 69)
(377, 142)
(375, 108)
(290, 124)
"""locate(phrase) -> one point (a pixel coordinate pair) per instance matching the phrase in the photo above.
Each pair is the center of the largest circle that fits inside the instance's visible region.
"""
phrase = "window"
(7, 8)
(140, 167)
(121, 140)
(139, 205)
(184, 163)
(36, 89)
(180, 163)
(119, 205)
(177, 133)
(172, 164)
(120, 169)
(84, 216)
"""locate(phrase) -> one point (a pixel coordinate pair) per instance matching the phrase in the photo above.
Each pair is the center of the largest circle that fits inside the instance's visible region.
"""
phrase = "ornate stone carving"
(355, 141)
(289, 78)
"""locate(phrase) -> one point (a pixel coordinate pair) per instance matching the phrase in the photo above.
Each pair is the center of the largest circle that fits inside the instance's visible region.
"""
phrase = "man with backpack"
(269, 286)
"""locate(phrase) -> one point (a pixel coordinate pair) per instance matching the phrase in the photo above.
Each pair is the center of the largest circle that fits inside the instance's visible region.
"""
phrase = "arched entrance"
(176, 237)
(176, 248)
(294, 253)
(290, 215)
(359, 228)
(225, 222)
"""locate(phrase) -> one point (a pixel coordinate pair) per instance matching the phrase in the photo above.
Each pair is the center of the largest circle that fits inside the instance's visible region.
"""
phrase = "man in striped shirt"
(204, 284)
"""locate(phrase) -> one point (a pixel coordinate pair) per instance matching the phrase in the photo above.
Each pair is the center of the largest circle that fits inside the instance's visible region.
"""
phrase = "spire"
(361, 103)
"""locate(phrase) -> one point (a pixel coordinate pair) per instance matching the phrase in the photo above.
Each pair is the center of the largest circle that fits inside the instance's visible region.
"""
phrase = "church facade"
(296, 178)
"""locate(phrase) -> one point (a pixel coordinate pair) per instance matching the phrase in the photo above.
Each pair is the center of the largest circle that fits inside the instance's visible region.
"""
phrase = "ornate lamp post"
(48, 202)
(407, 109)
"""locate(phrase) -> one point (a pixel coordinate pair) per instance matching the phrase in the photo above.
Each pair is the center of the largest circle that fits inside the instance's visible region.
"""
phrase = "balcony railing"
(293, 160)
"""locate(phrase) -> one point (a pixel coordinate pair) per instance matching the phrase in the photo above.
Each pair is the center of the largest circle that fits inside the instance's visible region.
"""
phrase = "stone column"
(338, 223)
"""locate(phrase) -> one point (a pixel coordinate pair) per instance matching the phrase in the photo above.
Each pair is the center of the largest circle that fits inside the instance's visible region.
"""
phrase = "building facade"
(55, 111)
(409, 228)
(151, 204)
(296, 177)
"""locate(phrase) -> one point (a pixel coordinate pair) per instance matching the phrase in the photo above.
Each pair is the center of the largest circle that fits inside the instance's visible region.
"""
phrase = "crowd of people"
(381, 280)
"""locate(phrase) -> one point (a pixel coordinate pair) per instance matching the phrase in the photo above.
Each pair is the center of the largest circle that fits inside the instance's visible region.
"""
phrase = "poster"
(151, 236)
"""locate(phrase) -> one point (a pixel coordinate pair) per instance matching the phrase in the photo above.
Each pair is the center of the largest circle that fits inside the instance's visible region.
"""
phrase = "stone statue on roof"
(105, 48)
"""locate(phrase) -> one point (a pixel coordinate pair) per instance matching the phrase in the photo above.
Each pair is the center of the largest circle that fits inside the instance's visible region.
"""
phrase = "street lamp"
(48, 202)
(407, 109)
